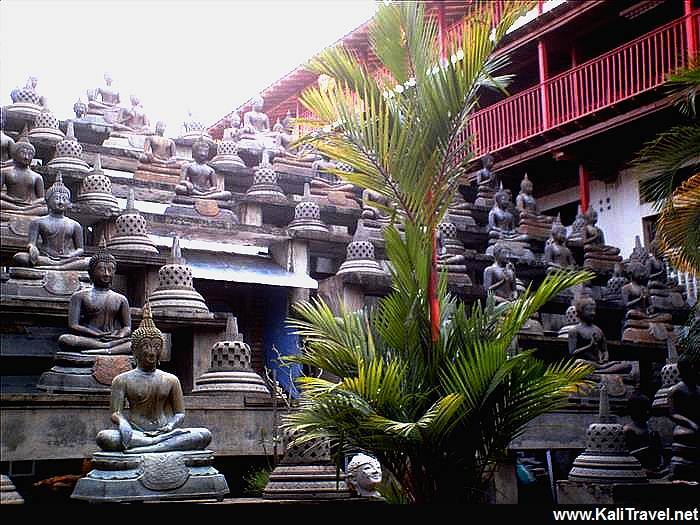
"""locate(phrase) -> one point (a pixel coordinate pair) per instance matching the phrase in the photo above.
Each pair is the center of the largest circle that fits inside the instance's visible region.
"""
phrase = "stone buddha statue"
(532, 222)
(502, 228)
(159, 157)
(156, 403)
(364, 474)
(587, 341)
(487, 182)
(98, 317)
(255, 121)
(257, 139)
(557, 256)
(662, 292)
(199, 180)
(684, 412)
(21, 188)
(28, 93)
(55, 241)
(109, 100)
(374, 206)
(641, 324)
(642, 442)
(232, 130)
(135, 119)
(577, 228)
(596, 254)
(499, 278)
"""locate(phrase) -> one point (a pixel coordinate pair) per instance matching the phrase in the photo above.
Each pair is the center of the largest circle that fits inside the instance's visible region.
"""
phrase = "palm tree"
(425, 383)
(670, 162)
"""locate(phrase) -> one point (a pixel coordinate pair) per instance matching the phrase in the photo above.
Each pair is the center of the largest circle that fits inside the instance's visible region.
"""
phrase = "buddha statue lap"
(149, 455)
(641, 323)
(532, 222)
(502, 229)
(21, 188)
(487, 182)
(557, 255)
(55, 242)
(98, 317)
(597, 255)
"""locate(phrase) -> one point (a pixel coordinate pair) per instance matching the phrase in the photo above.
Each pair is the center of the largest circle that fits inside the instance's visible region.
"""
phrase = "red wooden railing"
(624, 72)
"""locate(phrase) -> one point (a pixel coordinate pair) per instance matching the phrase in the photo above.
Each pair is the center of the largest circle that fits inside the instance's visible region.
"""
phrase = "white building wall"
(620, 211)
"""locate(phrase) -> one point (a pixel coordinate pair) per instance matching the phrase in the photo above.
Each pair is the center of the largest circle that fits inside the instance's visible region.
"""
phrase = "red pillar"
(690, 29)
(583, 188)
(442, 30)
(544, 74)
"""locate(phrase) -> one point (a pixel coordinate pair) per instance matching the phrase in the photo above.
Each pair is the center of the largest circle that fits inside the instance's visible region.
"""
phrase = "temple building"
(212, 236)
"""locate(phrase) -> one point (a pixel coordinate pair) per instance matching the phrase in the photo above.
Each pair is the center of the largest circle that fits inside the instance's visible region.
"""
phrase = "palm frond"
(678, 227)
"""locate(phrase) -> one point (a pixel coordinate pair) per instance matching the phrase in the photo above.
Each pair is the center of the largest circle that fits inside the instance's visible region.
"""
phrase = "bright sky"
(207, 56)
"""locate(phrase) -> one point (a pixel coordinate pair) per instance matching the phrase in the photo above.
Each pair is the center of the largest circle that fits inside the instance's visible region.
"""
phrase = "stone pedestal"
(32, 283)
(118, 477)
(202, 207)
(8, 492)
(74, 372)
(306, 473)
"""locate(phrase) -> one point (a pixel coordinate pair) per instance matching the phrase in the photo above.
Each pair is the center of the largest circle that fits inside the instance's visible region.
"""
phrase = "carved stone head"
(364, 473)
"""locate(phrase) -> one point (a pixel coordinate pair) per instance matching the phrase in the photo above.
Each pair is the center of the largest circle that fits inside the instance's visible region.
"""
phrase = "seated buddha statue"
(257, 138)
(577, 228)
(557, 256)
(662, 291)
(641, 323)
(596, 254)
(587, 341)
(502, 228)
(156, 403)
(487, 182)
(134, 119)
(232, 130)
(21, 188)
(532, 222)
(499, 278)
(159, 154)
(98, 317)
(107, 105)
(199, 180)
(55, 241)
(643, 442)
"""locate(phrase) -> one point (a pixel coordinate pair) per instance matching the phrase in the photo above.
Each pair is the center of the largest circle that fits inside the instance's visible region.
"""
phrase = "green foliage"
(436, 412)
(256, 481)
(669, 163)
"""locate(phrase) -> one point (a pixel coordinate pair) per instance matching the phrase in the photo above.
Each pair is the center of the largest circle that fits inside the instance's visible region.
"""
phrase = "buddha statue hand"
(33, 254)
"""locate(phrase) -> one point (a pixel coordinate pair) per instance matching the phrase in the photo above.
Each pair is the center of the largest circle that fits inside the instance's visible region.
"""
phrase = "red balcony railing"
(624, 72)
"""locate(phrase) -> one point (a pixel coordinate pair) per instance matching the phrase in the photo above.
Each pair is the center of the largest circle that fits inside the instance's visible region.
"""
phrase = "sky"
(207, 56)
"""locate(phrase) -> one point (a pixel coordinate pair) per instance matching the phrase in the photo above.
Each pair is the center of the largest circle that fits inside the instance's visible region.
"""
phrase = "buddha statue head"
(585, 308)
(200, 150)
(160, 128)
(23, 151)
(58, 195)
(101, 268)
(502, 198)
(526, 185)
(147, 341)
(258, 103)
(364, 474)
(501, 252)
(637, 272)
(559, 232)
